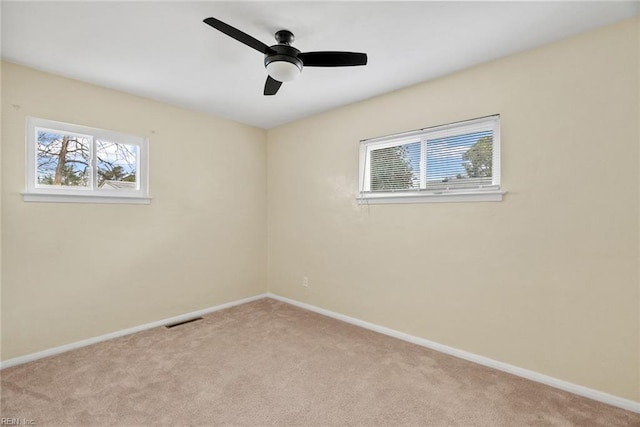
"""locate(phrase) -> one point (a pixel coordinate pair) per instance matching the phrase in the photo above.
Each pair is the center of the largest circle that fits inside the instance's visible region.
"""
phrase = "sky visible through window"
(114, 161)
(444, 156)
(72, 149)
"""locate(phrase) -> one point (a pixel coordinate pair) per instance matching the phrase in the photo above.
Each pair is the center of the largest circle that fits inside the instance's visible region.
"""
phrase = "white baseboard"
(599, 396)
(72, 346)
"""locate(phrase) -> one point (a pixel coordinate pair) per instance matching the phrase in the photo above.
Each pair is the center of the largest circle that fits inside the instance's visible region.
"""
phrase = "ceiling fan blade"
(238, 35)
(271, 86)
(333, 59)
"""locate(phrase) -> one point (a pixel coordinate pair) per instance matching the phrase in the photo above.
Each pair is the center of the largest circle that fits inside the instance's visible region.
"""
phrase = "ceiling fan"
(283, 61)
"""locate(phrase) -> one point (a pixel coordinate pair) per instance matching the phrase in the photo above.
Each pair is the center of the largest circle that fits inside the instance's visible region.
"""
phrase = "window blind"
(462, 156)
(396, 168)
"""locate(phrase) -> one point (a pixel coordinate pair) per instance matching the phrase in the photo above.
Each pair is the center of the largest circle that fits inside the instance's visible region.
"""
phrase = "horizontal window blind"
(459, 161)
(457, 157)
(396, 168)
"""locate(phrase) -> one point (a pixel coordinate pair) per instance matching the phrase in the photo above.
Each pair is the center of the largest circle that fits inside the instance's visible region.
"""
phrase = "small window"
(455, 162)
(71, 163)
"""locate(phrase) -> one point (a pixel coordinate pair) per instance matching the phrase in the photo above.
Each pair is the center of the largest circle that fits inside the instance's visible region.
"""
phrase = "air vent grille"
(184, 322)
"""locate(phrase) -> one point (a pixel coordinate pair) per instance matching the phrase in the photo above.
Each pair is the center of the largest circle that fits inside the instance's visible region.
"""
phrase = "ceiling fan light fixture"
(283, 71)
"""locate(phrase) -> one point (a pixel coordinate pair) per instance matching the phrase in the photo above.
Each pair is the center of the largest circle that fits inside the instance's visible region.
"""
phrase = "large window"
(71, 163)
(455, 162)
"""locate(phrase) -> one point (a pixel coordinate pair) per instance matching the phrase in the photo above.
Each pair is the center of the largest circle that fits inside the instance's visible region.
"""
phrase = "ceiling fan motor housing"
(284, 37)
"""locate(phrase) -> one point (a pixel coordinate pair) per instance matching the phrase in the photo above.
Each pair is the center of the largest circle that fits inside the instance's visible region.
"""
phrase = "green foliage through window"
(457, 157)
(391, 169)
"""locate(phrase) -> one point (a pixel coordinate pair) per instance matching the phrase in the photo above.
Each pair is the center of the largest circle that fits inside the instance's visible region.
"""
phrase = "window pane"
(396, 168)
(460, 160)
(63, 159)
(117, 165)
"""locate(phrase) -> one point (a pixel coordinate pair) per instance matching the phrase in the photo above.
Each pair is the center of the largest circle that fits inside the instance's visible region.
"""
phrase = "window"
(71, 163)
(455, 162)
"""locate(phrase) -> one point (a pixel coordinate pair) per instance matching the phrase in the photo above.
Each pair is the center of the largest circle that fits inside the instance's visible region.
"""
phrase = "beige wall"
(638, 122)
(0, 212)
(74, 271)
(547, 279)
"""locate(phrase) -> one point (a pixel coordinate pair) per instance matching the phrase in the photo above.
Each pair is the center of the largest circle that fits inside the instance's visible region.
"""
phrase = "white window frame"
(490, 193)
(44, 193)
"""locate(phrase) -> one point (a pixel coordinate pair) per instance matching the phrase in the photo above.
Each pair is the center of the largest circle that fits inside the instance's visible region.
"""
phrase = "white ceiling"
(163, 50)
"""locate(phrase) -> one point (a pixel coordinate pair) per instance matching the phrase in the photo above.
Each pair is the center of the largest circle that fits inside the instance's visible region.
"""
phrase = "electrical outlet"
(305, 281)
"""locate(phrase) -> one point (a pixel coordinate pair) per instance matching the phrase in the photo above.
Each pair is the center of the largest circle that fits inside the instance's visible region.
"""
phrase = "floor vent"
(173, 325)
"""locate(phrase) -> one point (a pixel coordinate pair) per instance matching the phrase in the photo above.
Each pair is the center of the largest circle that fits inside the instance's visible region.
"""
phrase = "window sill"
(82, 198)
(388, 198)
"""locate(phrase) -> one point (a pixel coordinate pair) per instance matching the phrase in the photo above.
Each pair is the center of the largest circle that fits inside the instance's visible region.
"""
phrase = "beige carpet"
(268, 363)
